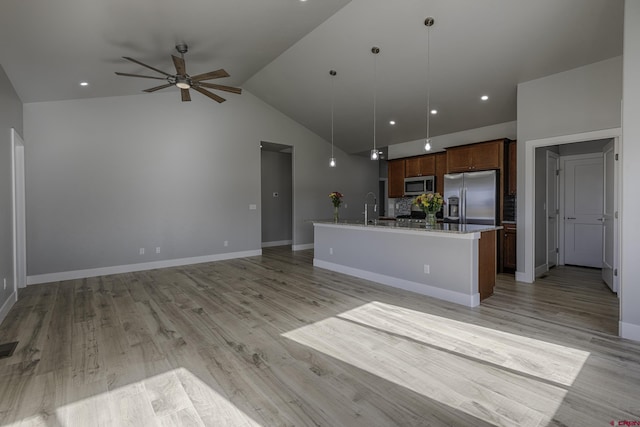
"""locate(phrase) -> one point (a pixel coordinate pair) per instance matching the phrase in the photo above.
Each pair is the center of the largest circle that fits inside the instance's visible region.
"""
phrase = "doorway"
(276, 163)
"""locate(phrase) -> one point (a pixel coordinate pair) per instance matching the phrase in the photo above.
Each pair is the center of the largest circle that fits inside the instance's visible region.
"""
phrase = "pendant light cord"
(428, 80)
(374, 100)
(333, 73)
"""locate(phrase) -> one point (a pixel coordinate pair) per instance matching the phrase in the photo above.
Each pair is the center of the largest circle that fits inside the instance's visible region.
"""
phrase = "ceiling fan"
(184, 81)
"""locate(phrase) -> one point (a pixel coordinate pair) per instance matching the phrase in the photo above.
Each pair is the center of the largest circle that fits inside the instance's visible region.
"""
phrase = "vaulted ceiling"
(282, 51)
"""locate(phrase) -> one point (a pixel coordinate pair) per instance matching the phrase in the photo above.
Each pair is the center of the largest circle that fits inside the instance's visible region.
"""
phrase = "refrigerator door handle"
(463, 202)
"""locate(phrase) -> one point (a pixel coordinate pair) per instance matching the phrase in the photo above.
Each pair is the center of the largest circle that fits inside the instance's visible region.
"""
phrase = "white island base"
(449, 262)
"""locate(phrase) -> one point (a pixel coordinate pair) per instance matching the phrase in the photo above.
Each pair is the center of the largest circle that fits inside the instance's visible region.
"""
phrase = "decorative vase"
(431, 219)
(336, 217)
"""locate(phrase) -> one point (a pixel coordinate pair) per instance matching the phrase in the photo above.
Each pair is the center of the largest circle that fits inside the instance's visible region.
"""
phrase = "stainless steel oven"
(418, 185)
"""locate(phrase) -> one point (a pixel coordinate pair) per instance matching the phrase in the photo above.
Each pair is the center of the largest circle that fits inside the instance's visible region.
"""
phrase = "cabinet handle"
(571, 217)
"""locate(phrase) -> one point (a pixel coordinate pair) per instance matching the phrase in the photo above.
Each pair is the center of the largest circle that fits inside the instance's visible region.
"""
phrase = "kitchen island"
(452, 262)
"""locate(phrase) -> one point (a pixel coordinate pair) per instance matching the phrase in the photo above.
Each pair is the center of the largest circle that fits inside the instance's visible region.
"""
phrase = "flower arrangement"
(336, 198)
(430, 203)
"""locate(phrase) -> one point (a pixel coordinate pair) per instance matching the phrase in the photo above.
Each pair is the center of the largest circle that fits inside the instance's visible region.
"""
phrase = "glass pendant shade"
(427, 145)
(374, 154)
(332, 162)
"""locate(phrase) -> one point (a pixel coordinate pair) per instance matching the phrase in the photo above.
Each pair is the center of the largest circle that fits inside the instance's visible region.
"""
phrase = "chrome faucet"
(366, 206)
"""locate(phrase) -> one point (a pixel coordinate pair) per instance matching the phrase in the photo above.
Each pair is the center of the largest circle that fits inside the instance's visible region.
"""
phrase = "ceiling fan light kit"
(183, 81)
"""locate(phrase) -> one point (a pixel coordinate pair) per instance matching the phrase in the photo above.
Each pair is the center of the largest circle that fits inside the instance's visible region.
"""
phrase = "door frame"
(526, 187)
(19, 212)
(559, 209)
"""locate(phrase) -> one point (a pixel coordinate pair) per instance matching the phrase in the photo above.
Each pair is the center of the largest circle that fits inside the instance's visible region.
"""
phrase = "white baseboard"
(276, 243)
(129, 268)
(522, 277)
(420, 288)
(7, 305)
(541, 269)
(302, 247)
(629, 331)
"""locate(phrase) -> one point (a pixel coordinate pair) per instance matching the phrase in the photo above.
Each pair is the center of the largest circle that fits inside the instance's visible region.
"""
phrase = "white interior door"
(553, 166)
(584, 189)
(609, 235)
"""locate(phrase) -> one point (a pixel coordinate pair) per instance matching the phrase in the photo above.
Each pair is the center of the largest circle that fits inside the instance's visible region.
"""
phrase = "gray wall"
(630, 272)
(108, 176)
(575, 101)
(10, 117)
(276, 211)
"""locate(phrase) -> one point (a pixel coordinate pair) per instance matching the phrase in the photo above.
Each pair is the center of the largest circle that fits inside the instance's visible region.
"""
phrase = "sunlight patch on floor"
(499, 377)
(176, 397)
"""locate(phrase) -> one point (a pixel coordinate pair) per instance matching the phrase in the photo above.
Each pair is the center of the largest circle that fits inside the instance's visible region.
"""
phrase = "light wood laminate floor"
(273, 341)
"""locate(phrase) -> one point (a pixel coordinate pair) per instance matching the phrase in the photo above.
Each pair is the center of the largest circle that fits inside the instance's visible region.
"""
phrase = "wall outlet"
(5, 283)
(141, 251)
(330, 251)
(253, 207)
(426, 269)
(226, 243)
(345, 206)
(157, 249)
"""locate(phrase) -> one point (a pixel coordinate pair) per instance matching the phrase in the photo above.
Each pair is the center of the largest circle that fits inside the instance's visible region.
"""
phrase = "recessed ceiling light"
(434, 111)
(84, 83)
(484, 97)
(392, 122)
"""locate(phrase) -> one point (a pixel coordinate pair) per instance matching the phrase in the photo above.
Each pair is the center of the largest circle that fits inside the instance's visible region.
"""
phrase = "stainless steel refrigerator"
(471, 197)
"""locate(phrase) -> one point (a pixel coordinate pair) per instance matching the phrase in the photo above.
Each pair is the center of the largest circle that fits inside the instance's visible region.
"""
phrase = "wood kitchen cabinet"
(476, 157)
(420, 166)
(509, 248)
(441, 170)
(395, 174)
(512, 168)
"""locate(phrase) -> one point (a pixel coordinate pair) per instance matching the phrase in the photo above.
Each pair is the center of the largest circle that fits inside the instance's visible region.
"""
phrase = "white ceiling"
(282, 51)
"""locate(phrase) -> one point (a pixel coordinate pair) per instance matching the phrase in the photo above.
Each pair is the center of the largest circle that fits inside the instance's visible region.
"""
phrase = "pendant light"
(374, 150)
(332, 160)
(429, 23)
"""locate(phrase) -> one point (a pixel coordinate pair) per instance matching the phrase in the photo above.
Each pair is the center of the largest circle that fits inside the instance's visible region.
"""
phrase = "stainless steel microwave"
(418, 185)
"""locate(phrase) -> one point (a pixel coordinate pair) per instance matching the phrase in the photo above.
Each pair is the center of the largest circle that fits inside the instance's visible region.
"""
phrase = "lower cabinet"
(509, 248)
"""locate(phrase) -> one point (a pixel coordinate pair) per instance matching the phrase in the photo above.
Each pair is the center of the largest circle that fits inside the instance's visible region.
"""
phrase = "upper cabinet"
(441, 170)
(481, 156)
(396, 173)
(512, 168)
(420, 166)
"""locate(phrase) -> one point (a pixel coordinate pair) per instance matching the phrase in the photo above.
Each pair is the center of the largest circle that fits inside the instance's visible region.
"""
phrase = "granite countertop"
(390, 224)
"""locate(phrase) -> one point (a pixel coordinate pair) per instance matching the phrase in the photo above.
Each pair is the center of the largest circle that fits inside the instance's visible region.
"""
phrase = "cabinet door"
(509, 258)
(428, 165)
(487, 155)
(513, 168)
(412, 167)
(395, 170)
(459, 159)
(441, 169)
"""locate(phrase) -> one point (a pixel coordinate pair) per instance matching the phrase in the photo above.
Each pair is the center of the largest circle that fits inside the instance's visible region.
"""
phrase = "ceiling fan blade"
(222, 87)
(210, 75)
(140, 75)
(145, 65)
(185, 95)
(153, 89)
(181, 68)
(209, 94)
